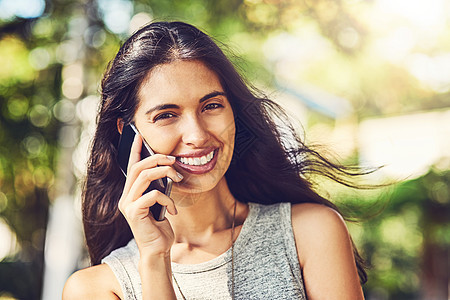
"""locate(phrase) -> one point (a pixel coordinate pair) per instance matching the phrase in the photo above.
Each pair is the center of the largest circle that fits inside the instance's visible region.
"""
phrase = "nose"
(195, 132)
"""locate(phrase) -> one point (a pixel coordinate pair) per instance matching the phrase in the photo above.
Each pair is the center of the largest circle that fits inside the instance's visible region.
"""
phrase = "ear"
(119, 125)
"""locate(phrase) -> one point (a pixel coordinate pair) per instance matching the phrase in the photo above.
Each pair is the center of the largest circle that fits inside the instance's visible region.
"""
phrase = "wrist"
(159, 263)
(156, 275)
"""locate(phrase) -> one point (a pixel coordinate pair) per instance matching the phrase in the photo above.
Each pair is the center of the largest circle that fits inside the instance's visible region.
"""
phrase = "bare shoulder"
(319, 217)
(96, 282)
(325, 253)
(317, 228)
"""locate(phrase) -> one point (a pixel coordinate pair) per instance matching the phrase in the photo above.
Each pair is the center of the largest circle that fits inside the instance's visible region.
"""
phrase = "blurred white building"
(407, 145)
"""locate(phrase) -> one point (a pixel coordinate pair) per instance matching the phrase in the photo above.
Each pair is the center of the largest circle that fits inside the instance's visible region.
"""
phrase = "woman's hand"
(154, 238)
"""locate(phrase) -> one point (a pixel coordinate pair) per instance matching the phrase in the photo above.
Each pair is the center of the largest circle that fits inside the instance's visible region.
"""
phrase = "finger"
(153, 161)
(145, 177)
(156, 196)
(150, 162)
(140, 208)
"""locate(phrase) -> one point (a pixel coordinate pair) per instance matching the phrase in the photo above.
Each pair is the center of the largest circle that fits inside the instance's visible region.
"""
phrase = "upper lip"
(198, 153)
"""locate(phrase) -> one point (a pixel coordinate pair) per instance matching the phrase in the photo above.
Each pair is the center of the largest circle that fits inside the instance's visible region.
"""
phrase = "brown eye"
(163, 116)
(212, 106)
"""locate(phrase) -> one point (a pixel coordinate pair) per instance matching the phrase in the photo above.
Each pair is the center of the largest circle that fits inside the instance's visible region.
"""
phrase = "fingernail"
(180, 176)
(170, 157)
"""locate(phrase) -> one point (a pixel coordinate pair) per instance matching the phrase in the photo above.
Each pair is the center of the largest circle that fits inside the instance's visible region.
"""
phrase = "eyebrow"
(169, 106)
(211, 95)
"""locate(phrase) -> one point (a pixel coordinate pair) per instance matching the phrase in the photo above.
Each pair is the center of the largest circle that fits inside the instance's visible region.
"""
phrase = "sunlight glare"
(9, 242)
(420, 13)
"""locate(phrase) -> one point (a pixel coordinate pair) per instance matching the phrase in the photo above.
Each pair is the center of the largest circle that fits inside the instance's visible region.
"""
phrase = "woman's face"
(183, 111)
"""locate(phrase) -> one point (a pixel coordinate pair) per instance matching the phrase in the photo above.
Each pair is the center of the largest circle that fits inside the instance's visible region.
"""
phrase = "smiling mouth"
(198, 165)
(197, 161)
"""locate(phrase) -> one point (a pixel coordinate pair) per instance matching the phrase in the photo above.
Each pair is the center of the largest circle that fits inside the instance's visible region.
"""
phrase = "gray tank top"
(266, 265)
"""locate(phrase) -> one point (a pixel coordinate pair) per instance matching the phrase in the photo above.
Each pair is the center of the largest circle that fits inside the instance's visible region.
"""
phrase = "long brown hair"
(261, 148)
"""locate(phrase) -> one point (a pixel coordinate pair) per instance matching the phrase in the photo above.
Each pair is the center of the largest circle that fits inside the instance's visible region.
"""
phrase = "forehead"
(178, 81)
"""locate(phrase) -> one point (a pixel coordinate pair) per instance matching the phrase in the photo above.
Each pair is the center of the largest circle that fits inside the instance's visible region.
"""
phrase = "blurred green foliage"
(407, 245)
(28, 147)
(403, 243)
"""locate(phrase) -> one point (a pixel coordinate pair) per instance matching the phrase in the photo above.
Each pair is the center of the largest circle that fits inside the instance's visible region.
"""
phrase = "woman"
(243, 221)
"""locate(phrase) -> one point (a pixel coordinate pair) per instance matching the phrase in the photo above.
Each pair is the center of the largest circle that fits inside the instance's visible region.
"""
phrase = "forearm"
(156, 278)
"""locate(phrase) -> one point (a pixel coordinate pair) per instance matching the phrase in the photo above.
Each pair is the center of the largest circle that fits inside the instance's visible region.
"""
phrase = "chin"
(187, 192)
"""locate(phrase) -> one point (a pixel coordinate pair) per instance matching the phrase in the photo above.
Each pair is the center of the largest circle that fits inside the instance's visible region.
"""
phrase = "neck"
(200, 215)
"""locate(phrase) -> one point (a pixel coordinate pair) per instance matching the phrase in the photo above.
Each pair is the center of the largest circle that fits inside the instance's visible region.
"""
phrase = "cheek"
(231, 129)
(161, 141)
(227, 131)
(230, 135)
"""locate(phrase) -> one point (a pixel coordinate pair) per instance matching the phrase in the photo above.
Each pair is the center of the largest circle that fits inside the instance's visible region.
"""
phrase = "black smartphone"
(164, 185)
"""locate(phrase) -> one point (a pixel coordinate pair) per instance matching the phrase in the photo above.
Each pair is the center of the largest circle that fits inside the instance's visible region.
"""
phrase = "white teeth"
(197, 161)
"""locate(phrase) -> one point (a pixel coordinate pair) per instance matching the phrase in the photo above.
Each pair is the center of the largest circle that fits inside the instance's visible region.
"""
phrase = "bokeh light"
(9, 241)
(116, 14)
(64, 110)
(21, 8)
(39, 58)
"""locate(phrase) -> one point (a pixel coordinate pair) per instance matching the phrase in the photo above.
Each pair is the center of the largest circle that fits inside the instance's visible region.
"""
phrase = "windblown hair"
(261, 148)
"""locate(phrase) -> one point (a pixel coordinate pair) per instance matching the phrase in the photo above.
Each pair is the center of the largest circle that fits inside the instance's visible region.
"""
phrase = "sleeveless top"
(266, 265)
